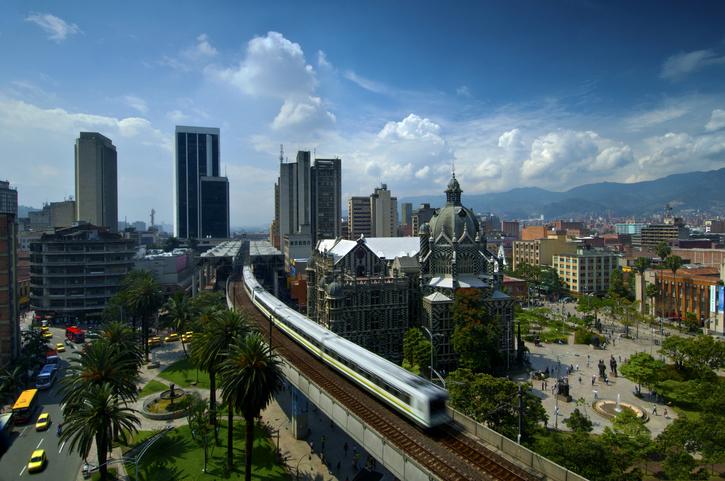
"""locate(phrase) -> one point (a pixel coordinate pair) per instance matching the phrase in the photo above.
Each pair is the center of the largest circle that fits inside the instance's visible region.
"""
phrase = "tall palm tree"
(251, 374)
(674, 263)
(101, 363)
(122, 337)
(96, 417)
(181, 313)
(641, 264)
(144, 297)
(210, 346)
(12, 380)
(663, 250)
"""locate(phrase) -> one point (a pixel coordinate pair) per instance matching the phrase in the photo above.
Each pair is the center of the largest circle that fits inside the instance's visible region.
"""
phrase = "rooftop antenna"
(281, 153)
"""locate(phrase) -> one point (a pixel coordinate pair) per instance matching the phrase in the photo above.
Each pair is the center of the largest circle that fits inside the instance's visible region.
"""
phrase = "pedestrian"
(312, 446)
(596, 394)
(576, 368)
(594, 378)
(664, 413)
(580, 378)
(654, 409)
(542, 386)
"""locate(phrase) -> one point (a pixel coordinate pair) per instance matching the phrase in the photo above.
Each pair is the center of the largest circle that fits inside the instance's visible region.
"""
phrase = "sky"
(511, 94)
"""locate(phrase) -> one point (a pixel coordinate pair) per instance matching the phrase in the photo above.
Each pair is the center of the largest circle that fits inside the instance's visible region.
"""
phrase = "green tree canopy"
(477, 346)
(643, 369)
(578, 422)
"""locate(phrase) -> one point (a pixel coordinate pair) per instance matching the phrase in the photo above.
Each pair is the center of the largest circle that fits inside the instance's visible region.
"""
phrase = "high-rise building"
(510, 228)
(358, 217)
(96, 180)
(53, 215)
(406, 213)
(201, 207)
(325, 194)
(9, 321)
(294, 195)
(383, 213)
(421, 215)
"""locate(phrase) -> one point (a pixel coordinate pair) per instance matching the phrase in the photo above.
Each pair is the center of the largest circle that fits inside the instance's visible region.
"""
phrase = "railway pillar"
(300, 408)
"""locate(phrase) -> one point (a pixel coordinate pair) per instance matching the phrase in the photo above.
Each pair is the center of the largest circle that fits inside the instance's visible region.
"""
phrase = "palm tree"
(251, 374)
(663, 250)
(144, 297)
(180, 312)
(101, 363)
(96, 417)
(674, 263)
(641, 264)
(12, 380)
(123, 338)
(210, 346)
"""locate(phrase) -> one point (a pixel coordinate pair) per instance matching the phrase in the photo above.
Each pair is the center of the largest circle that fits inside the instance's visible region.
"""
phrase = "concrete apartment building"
(630, 228)
(540, 252)
(423, 214)
(96, 180)
(326, 199)
(201, 206)
(75, 271)
(383, 213)
(9, 308)
(651, 235)
(511, 228)
(587, 271)
(358, 217)
(53, 215)
(533, 232)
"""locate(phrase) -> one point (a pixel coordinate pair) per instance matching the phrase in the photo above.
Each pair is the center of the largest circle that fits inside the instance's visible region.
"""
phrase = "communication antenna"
(281, 153)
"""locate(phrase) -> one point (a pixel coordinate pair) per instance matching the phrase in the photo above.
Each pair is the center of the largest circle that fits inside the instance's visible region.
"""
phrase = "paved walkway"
(561, 357)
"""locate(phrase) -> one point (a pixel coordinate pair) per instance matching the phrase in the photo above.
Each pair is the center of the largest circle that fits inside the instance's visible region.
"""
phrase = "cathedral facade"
(453, 255)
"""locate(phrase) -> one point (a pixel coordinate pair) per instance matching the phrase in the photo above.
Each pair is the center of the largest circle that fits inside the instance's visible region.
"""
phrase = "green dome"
(453, 220)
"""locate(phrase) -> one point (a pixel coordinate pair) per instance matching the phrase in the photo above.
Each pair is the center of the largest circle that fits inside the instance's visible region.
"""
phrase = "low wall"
(537, 463)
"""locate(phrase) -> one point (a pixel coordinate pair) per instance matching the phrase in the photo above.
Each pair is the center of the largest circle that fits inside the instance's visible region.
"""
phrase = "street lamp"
(297, 469)
(432, 347)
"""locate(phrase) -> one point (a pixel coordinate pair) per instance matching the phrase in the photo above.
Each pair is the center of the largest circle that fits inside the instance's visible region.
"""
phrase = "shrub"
(585, 336)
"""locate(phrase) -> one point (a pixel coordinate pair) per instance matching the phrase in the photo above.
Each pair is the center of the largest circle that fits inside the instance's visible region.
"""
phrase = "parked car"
(173, 337)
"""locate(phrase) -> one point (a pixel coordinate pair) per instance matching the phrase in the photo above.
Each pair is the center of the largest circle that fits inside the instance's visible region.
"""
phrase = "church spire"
(453, 192)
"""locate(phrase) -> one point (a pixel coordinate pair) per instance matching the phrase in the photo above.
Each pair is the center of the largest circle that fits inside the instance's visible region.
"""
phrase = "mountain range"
(704, 191)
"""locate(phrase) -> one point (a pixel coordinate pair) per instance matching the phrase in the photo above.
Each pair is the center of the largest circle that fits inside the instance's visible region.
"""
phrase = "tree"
(124, 339)
(675, 347)
(587, 304)
(144, 297)
(653, 292)
(211, 344)
(416, 349)
(477, 346)
(35, 346)
(663, 250)
(551, 282)
(617, 287)
(578, 422)
(99, 414)
(580, 452)
(251, 374)
(628, 439)
(704, 353)
(643, 369)
(494, 401)
(200, 425)
(171, 243)
(641, 264)
(101, 363)
(674, 263)
(12, 381)
(180, 312)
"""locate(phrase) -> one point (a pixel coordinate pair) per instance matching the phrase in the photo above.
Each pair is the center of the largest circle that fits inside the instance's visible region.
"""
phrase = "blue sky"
(548, 94)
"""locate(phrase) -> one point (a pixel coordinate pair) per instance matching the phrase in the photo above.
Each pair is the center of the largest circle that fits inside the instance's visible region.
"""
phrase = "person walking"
(594, 378)
(654, 409)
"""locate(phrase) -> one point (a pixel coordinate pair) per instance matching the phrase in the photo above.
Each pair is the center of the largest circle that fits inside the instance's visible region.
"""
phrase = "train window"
(405, 397)
(437, 405)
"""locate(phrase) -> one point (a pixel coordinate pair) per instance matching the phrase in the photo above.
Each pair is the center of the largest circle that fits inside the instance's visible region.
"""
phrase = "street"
(62, 464)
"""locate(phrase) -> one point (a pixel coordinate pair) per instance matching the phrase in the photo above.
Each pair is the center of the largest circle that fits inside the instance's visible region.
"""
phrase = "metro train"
(417, 399)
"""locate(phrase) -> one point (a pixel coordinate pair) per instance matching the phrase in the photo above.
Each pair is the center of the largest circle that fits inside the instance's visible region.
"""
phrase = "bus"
(46, 378)
(75, 334)
(24, 407)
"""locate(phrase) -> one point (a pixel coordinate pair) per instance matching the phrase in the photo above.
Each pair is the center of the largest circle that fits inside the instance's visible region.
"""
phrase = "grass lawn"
(153, 386)
(183, 373)
(111, 474)
(177, 456)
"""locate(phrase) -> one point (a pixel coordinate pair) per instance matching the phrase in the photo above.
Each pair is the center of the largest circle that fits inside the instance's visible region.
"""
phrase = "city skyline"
(551, 95)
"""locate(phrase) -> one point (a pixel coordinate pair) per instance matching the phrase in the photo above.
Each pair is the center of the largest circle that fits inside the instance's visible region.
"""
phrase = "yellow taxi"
(187, 336)
(43, 422)
(154, 341)
(60, 347)
(44, 329)
(173, 337)
(47, 335)
(37, 461)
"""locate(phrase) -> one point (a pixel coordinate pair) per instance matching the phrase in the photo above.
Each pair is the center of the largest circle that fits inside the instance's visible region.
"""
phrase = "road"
(62, 464)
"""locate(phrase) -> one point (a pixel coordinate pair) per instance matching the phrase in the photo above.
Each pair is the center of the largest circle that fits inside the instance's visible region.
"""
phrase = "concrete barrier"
(536, 463)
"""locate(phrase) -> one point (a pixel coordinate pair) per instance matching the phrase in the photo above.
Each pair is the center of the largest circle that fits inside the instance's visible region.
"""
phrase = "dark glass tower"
(200, 190)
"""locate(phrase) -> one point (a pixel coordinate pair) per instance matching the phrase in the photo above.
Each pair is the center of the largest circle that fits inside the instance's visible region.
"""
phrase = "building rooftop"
(225, 249)
(383, 247)
(262, 248)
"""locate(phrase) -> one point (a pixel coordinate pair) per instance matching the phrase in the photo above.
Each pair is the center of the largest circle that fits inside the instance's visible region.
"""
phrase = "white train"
(419, 400)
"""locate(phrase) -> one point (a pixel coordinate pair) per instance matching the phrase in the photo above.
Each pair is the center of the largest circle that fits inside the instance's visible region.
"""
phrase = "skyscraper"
(325, 194)
(309, 197)
(358, 218)
(96, 180)
(406, 211)
(201, 207)
(9, 322)
(383, 213)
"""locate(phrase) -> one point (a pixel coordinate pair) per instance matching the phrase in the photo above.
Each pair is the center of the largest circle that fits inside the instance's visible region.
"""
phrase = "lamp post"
(297, 469)
(432, 347)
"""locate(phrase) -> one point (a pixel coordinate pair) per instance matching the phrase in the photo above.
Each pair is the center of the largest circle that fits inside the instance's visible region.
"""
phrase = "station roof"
(262, 248)
(225, 249)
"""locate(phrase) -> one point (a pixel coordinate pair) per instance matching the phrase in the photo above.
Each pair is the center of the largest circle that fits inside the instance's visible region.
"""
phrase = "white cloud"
(309, 112)
(365, 83)
(273, 67)
(322, 61)
(194, 56)
(136, 103)
(682, 64)
(56, 28)
(410, 128)
(202, 50)
(656, 117)
(511, 140)
(464, 91)
(176, 116)
(717, 120)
